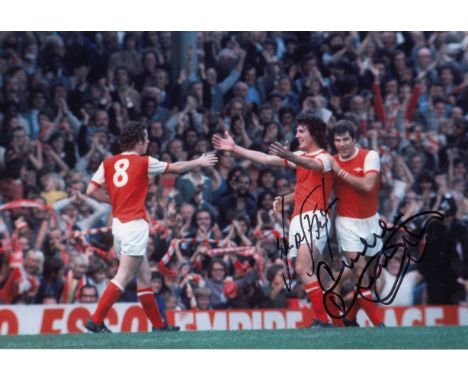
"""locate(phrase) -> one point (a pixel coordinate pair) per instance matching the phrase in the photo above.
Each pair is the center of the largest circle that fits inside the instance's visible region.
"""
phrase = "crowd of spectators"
(64, 97)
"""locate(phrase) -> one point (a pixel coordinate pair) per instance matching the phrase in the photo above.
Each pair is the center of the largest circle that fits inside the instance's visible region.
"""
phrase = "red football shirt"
(352, 202)
(309, 194)
(126, 177)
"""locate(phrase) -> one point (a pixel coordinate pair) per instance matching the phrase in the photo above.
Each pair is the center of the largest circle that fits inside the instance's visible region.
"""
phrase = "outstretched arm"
(281, 151)
(205, 160)
(228, 144)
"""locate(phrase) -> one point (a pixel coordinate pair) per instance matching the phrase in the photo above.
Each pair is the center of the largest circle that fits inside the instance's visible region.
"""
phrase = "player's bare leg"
(128, 268)
(311, 285)
(147, 299)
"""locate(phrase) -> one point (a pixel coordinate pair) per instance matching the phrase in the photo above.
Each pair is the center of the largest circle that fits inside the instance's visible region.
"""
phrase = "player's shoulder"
(322, 154)
(364, 151)
(371, 154)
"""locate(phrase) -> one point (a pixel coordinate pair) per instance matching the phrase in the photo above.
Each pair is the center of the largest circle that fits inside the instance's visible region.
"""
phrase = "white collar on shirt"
(351, 157)
(316, 152)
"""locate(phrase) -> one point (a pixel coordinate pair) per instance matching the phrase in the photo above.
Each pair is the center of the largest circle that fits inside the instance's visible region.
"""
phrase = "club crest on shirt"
(358, 169)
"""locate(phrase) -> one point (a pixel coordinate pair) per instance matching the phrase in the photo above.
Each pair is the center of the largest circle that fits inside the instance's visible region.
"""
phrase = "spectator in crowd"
(87, 294)
(97, 275)
(22, 283)
(53, 186)
(217, 273)
(203, 298)
(159, 288)
(242, 202)
(75, 278)
(274, 293)
(51, 281)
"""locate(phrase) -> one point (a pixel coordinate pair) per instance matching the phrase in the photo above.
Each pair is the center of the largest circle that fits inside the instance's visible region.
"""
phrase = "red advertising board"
(70, 318)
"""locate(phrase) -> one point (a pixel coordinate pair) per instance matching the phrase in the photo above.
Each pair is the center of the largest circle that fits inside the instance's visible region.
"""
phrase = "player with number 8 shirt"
(126, 178)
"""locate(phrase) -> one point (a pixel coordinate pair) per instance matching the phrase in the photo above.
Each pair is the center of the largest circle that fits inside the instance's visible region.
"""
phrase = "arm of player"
(283, 152)
(227, 144)
(97, 193)
(365, 183)
(206, 160)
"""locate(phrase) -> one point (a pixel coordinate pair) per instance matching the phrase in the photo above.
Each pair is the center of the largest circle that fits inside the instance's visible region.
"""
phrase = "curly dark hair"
(131, 134)
(317, 128)
(344, 126)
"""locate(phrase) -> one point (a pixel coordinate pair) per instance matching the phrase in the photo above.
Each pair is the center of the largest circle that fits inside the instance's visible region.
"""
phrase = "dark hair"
(317, 128)
(344, 126)
(96, 266)
(438, 99)
(278, 130)
(13, 168)
(264, 172)
(233, 171)
(285, 110)
(52, 267)
(262, 196)
(157, 276)
(200, 210)
(132, 133)
(236, 118)
(88, 286)
(272, 271)
(56, 135)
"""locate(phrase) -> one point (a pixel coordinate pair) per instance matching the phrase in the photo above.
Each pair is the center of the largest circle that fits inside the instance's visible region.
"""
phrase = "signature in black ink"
(373, 268)
(310, 226)
(407, 239)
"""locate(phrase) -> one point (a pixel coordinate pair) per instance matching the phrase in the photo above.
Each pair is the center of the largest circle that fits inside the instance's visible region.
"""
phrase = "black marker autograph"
(307, 232)
(374, 265)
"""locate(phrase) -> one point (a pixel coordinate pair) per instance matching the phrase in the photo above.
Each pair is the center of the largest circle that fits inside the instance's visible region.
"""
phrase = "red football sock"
(112, 293)
(369, 307)
(353, 311)
(148, 302)
(314, 292)
(333, 309)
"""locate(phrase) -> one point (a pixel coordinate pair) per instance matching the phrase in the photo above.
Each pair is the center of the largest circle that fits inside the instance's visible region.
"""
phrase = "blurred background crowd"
(64, 97)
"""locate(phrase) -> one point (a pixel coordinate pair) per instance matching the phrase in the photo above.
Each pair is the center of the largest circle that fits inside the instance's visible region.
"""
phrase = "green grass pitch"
(334, 338)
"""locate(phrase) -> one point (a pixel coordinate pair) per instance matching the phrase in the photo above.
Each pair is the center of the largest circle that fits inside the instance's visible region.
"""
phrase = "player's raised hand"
(281, 151)
(207, 160)
(278, 204)
(226, 143)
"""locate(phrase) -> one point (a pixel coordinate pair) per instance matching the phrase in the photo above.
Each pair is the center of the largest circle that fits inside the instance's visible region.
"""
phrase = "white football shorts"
(130, 238)
(349, 232)
(314, 228)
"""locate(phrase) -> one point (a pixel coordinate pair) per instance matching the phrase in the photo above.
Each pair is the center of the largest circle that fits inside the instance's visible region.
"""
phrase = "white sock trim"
(143, 293)
(311, 290)
(117, 284)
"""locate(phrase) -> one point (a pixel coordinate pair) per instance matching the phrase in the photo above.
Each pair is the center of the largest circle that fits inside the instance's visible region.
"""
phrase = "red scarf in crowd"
(71, 287)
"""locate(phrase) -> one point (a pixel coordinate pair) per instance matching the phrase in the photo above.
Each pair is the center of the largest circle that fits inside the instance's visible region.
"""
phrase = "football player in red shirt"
(356, 187)
(126, 178)
(308, 227)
